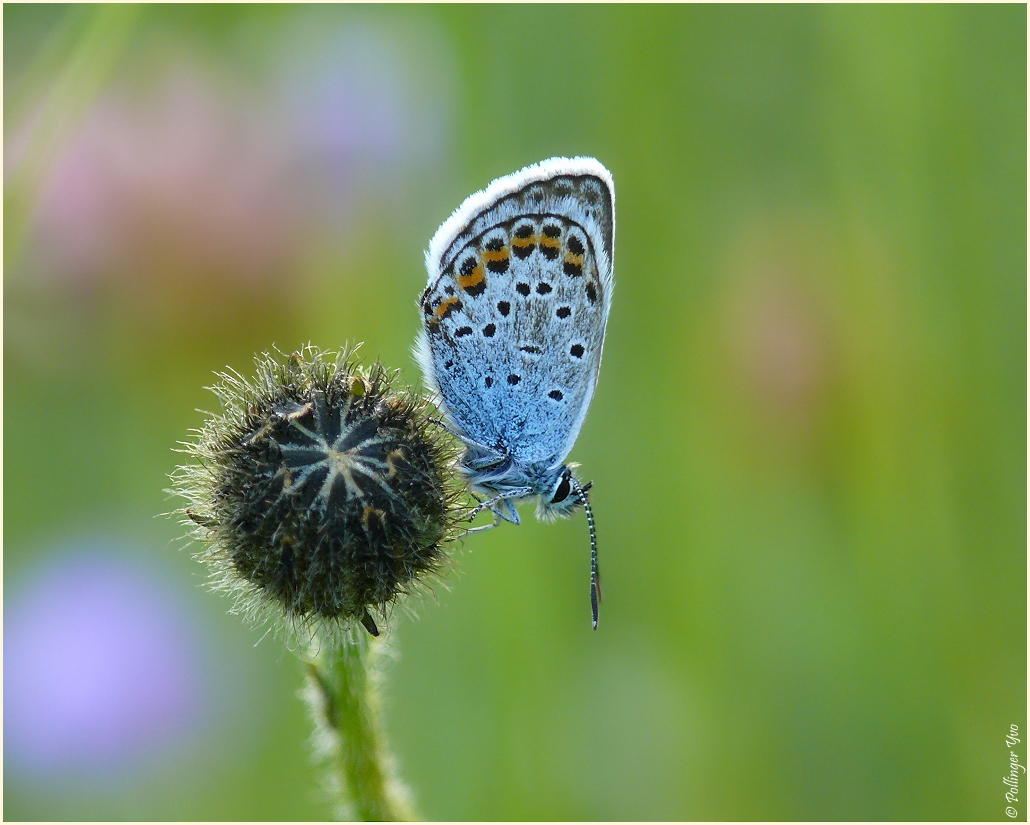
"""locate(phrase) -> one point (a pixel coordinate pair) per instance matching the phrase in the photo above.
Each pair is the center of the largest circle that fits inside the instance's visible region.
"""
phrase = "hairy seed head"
(320, 492)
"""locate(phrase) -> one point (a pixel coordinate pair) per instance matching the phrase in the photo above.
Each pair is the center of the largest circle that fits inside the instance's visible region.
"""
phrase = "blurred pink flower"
(179, 181)
(194, 178)
(779, 343)
(199, 201)
(778, 322)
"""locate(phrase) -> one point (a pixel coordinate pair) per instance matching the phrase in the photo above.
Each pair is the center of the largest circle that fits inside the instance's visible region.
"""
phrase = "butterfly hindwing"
(515, 310)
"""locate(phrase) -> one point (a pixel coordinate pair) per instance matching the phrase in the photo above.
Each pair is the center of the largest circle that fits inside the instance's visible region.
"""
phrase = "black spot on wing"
(489, 330)
(563, 312)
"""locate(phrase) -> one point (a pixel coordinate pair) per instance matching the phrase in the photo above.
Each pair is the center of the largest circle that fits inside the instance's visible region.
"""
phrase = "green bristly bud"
(321, 493)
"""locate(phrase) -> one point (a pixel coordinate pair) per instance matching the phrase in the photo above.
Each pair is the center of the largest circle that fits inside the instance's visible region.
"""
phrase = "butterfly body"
(514, 317)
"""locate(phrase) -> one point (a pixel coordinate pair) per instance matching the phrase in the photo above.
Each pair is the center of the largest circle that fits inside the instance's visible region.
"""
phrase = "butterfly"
(514, 316)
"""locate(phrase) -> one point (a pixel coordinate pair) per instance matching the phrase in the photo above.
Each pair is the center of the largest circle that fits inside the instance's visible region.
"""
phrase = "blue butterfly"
(514, 315)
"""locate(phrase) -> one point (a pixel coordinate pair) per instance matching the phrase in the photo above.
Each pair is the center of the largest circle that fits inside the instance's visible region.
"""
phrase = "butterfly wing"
(514, 315)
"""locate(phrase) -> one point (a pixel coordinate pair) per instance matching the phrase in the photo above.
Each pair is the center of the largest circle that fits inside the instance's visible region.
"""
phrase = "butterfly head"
(563, 495)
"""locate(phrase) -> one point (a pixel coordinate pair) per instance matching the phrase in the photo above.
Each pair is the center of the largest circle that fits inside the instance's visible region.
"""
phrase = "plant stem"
(343, 693)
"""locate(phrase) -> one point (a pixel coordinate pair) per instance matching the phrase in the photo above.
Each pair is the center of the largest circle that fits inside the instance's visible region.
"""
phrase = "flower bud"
(320, 493)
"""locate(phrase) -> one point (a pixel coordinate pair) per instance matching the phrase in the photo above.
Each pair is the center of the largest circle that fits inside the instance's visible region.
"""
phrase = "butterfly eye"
(562, 492)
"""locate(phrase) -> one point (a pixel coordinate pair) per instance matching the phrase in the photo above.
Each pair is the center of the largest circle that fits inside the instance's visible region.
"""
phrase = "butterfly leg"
(480, 529)
(489, 504)
(504, 499)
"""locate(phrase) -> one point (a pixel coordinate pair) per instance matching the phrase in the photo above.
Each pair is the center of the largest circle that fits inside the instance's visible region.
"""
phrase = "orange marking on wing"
(550, 243)
(572, 258)
(491, 257)
(522, 243)
(474, 278)
(447, 306)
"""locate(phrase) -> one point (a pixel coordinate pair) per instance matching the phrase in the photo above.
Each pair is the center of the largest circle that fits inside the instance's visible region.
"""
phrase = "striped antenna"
(595, 576)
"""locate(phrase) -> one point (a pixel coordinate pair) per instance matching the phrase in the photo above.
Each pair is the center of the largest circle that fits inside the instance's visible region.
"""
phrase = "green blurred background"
(808, 441)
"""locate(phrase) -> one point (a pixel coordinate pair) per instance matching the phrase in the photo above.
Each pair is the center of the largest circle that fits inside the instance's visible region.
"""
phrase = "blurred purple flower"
(357, 97)
(349, 99)
(100, 665)
(366, 106)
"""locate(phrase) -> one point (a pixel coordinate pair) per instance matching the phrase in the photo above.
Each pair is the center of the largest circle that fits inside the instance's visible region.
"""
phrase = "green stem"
(343, 693)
